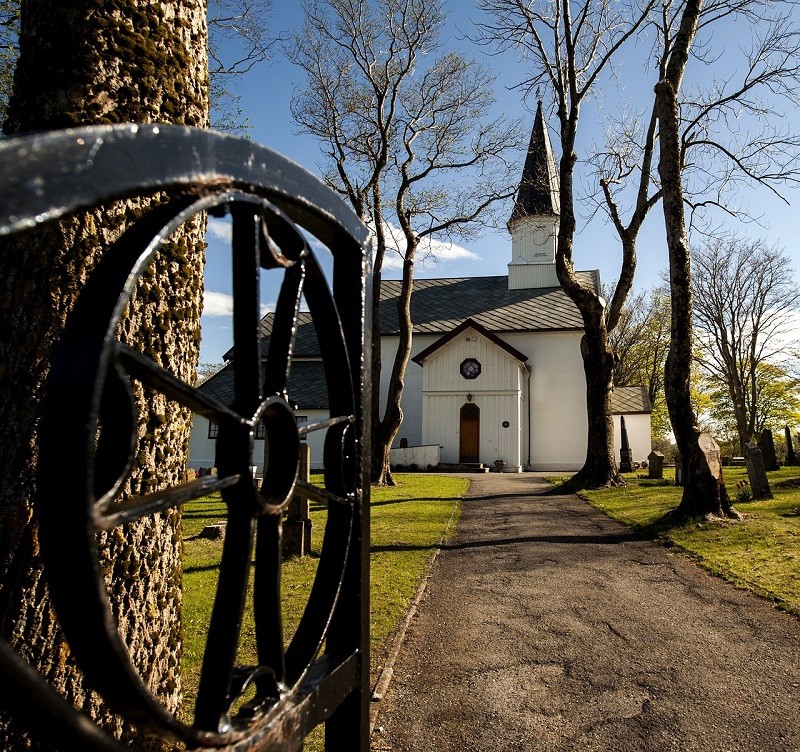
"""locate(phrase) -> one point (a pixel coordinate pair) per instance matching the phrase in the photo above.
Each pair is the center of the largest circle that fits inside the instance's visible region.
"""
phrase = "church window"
(470, 368)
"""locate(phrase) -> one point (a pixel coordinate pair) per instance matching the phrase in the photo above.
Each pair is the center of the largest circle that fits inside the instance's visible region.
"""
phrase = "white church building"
(496, 375)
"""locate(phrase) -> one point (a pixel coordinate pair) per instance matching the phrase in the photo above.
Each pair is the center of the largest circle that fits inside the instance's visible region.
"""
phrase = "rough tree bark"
(88, 63)
(703, 491)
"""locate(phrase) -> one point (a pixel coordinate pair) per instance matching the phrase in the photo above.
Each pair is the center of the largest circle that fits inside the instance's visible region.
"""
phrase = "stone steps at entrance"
(463, 467)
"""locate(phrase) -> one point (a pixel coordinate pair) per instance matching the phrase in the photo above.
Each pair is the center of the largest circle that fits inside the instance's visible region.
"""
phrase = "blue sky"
(266, 94)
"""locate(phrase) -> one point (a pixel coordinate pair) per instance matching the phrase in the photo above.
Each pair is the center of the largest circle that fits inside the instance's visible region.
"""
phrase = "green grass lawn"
(407, 522)
(761, 554)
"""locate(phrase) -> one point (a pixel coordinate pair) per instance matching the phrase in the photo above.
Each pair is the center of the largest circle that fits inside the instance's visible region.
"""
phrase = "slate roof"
(538, 189)
(440, 305)
(305, 344)
(630, 399)
(307, 386)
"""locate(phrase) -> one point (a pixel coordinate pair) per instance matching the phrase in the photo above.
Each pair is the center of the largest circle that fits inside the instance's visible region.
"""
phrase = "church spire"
(538, 190)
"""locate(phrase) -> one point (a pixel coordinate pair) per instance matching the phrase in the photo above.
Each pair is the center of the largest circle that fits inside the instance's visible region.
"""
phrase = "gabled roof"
(305, 343)
(440, 305)
(469, 323)
(307, 387)
(630, 399)
(538, 189)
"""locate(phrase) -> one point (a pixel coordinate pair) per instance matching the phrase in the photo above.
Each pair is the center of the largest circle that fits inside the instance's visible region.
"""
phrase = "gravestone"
(625, 465)
(756, 472)
(712, 453)
(297, 525)
(678, 470)
(767, 444)
(655, 465)
(791, 457)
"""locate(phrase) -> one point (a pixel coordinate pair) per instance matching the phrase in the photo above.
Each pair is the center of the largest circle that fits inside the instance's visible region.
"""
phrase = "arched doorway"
(470, 429)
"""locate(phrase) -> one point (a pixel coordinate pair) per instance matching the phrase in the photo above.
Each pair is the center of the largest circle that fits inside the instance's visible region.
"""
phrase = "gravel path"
(548, 626)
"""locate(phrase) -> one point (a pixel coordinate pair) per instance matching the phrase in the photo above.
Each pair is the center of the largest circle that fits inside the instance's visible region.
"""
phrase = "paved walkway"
(548, 626)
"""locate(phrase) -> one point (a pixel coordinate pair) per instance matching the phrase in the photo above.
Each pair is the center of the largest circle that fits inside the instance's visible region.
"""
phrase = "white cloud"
(220, 229)
(217, 304)
(221, 304)
(431, 252)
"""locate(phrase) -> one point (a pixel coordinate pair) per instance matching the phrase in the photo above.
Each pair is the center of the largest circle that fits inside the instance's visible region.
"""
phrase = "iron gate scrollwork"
(322, 673)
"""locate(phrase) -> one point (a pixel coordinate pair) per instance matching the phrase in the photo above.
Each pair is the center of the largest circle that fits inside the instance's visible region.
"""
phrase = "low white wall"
(421, 456)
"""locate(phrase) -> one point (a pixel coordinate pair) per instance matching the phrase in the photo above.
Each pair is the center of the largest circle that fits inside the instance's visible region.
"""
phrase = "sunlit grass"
(407, 521)
(762, 553)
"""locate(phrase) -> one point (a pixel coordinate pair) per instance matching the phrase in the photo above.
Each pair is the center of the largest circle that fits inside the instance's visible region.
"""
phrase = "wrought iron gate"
(323, 672)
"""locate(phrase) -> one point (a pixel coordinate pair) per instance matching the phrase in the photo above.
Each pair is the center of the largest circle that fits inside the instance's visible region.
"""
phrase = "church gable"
(471, 359)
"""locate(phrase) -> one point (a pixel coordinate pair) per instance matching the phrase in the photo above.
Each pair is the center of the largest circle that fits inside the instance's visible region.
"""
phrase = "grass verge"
(761, 554)
(407, 522)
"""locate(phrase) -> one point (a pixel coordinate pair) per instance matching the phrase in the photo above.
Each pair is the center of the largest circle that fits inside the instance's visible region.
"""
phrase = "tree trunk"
(600, 467)
(87, 63)
(389, 425)
(703, 491)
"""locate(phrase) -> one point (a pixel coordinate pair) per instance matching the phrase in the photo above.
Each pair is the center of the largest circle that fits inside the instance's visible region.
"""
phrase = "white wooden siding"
(497, 391)
(202, 449)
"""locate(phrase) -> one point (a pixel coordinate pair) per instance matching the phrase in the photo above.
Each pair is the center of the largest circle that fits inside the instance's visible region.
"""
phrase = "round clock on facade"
(470, 368)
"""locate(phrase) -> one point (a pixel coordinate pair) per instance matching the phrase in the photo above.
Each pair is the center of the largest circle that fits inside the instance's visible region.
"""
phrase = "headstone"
(756, 472)
(625, 465)
(791, 457)
(655, 465)
(768, 450)
(710, 449)
(214, 532)
(297, 525)
(404, 443)
(678, 471)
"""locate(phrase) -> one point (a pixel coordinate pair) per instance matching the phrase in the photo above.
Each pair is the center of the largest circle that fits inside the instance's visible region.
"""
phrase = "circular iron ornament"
(88, 399)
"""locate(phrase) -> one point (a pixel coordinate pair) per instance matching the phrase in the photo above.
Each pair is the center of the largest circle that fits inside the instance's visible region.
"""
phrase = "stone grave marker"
(712, 453)
(756, 472)
(678, 470)
(655, 465)
(767, 445)
(625, 464)
(791, 457)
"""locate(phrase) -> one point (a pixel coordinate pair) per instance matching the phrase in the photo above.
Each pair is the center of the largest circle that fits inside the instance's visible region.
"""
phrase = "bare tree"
(239, 38)
(745, 293)
(409, 143)
(702, 160)
(569, 54)
(703, 489)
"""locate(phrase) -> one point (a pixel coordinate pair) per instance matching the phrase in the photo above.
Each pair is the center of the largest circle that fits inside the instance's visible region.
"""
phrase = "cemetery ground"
(761, 553)
(407, 523)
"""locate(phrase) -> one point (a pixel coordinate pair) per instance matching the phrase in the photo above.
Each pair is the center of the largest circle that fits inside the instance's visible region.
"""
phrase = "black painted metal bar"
(88, 396)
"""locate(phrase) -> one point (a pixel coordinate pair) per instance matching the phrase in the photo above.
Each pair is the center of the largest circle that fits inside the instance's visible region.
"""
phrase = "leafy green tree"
(777, 404)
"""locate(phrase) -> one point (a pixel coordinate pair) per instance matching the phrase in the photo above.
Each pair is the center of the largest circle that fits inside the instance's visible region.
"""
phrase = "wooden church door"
(469, 433)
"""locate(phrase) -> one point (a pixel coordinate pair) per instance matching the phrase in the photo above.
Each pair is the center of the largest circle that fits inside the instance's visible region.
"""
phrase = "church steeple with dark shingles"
(538, 189)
